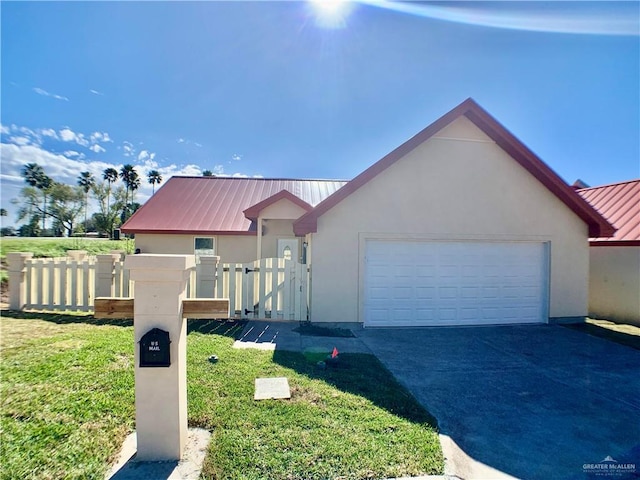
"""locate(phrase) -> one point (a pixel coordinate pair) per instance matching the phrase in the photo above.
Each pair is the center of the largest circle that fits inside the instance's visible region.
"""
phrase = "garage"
(436, 283)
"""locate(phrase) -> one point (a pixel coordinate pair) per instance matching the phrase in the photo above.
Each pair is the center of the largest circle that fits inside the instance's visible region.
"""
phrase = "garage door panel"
(451, 283)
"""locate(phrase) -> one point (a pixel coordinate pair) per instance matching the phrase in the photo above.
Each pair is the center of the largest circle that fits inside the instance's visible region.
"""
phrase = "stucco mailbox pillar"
(161, 391)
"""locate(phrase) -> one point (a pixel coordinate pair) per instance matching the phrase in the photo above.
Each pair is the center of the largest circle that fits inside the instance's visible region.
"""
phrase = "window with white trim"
(204, 246)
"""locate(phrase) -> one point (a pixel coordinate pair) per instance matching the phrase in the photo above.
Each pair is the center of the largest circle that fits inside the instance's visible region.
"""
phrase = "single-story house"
(460, 225)
(614, 266)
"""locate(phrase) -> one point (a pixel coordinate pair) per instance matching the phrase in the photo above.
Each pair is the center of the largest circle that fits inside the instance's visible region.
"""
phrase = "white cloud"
(128, 149)
(97, 148)
(96, 92)
(4, 129)
(66, 167)
(68, 135)
(18, 140)
(236, 157)
(57, 166)
(181, 140)
(169, 171)
(197, 144)
(145, 155)
(102, 137)
(49, 132)
(150, 164)
(43, 92)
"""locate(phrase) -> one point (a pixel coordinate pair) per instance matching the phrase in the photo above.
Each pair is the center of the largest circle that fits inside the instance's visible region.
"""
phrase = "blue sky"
(284, 89)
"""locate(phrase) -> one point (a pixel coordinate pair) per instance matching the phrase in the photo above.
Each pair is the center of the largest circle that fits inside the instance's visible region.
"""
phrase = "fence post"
(17, 283)
(161, 393)
(206, 279)
(77, 255)
(105, 274)
(120, 253)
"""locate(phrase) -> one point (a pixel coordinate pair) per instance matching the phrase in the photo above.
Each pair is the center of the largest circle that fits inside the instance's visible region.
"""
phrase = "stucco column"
(259, 234)
(105, 265)
(206, 286)
(17, 283)
(161, 392)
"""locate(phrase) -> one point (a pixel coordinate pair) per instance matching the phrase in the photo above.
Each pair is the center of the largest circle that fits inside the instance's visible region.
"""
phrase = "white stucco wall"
(614, 283)
(457, 185)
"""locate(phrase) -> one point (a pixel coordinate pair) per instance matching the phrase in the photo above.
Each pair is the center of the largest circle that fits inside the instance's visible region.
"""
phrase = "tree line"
(45, 199)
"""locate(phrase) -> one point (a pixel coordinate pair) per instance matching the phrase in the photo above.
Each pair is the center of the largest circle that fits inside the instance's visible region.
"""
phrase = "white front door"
(288, 249)
(454, 283)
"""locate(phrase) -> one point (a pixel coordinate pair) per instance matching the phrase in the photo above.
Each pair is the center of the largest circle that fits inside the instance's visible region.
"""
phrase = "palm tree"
(154, 177)
(3, 212)
(207, 173)
(126, 174)
(86, 181)
(33, 173)
(110, 175)
(134, 184)
(34, 176)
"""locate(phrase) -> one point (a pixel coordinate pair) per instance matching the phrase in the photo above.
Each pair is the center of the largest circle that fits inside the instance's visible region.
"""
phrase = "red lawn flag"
(334, 354)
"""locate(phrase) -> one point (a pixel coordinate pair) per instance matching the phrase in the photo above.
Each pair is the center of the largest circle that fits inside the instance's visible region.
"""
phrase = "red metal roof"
(215, 205)
(620, 204)
(598, 225)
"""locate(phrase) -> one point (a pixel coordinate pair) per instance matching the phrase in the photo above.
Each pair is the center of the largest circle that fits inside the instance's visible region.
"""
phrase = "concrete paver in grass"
(272, 388)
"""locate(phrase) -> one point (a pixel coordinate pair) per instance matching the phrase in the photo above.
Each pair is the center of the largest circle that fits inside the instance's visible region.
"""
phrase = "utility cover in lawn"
(274, 388)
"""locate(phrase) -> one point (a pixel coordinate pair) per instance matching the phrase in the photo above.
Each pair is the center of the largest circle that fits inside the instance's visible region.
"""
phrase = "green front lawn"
(57, 247)
(67, 405)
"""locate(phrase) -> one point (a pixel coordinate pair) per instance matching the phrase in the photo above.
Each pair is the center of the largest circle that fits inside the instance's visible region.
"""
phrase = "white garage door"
(454, 283)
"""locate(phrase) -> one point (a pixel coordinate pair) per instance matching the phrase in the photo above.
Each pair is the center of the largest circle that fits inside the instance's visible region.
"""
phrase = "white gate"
(270, 288)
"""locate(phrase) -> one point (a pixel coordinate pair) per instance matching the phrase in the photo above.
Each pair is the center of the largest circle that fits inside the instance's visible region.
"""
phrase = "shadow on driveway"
(535, 402)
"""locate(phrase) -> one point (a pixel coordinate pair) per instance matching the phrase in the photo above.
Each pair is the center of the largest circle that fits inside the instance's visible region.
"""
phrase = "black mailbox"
(154, 349)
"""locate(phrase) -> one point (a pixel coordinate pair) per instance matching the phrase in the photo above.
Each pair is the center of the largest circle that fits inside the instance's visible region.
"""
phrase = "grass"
(67, 404)
(57, 247)
(621, 333)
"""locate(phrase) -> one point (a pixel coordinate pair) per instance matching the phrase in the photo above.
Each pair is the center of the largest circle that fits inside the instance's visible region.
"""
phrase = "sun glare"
(331, 13)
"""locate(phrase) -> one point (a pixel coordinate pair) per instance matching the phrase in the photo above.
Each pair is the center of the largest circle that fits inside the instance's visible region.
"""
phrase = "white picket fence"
(270, 288)
(68, 284)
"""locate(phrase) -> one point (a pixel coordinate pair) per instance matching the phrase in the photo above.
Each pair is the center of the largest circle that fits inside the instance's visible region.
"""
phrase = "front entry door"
(288, 249)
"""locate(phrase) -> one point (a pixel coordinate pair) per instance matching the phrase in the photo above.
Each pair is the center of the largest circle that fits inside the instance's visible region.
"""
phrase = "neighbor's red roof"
(215, 205)
(620, 204)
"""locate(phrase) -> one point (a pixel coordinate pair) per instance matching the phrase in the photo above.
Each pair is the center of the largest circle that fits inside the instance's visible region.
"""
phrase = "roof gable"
(598, 226)
(619, 203)
(253, 211)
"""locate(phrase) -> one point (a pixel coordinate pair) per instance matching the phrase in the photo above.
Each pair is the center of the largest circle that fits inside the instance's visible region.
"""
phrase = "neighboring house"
(460, 225)
(614, 269)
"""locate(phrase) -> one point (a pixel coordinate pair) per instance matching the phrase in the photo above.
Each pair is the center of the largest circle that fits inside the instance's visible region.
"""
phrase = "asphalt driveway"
(539, 402)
